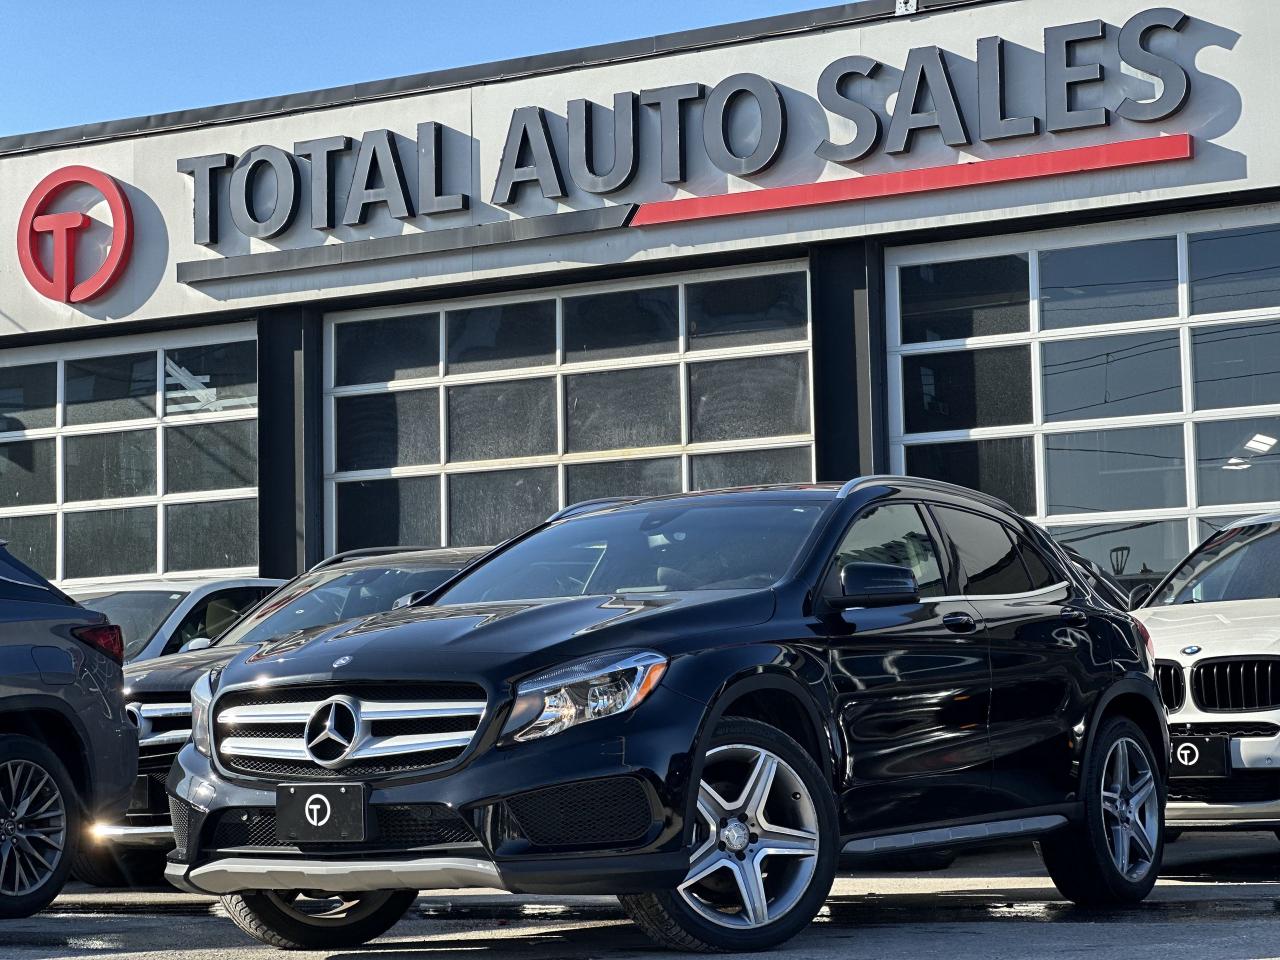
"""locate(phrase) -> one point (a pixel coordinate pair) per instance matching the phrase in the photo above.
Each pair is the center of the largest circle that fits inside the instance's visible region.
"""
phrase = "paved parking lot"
(1219, 899)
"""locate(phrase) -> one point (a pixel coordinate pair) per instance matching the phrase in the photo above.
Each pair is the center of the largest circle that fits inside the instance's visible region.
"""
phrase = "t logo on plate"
(318, 810)
(1187, 754)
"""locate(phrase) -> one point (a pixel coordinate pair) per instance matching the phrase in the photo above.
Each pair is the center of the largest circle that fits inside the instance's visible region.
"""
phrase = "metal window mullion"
(442, 458)
(1184, 275)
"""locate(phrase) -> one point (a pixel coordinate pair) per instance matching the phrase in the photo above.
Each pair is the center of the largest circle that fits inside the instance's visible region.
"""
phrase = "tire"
(1080, 858)
(43, 784)
(276, 918)
(105, 866)
(802, 829)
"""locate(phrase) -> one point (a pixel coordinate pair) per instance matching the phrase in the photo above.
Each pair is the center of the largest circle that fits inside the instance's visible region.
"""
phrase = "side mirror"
(1139, 594)
(197, 643)
(409, 599)
(876, 585)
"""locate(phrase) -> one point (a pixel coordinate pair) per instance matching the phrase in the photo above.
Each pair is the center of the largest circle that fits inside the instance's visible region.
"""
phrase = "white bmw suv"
(1215, 621)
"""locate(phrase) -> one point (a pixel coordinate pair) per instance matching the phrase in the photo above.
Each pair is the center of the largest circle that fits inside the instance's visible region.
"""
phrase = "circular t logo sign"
(317, 810)
(59, 281)
(1187, 754)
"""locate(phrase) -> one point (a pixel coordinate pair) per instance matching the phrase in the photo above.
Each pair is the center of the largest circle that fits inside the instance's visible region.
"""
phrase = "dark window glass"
(1112, 376)
(986, 551)
(502, 337)
(1237, 366)
(28, 396)
(965, 298)
(495, 421)
(211, 456)
(1134, 552)
(393, 348)
(395, 429)
(630, 323)
(99, 466)
(1131, 469)
(1042, 575)
(110, 543)
(32, 540)
(209, 536)
(763, 309)
(1003, 467)
(1238, 461)
(967, 388)
(623, 409)
(27, 473)
(223, 376)
(1109, 283)
(1235, 269)
(622, 478)
(893, 533)
(404, 511)
(111, 388)
(755, 397)
(488, 508)
(712, 471)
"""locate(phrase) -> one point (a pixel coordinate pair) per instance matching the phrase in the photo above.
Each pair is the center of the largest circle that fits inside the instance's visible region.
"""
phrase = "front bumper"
(652, 746)
(124, 835)
(1247, 799)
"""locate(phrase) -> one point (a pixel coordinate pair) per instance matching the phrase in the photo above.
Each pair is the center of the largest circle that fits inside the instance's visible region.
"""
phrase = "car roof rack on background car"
(364, 552)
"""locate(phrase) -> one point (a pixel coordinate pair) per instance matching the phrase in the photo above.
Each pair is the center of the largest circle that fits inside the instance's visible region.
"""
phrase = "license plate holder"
(322, 813)
(1200, 757)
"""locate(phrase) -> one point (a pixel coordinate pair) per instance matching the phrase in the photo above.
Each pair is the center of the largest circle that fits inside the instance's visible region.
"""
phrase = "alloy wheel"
(756, 842)
(33, 827)
(1130, 809)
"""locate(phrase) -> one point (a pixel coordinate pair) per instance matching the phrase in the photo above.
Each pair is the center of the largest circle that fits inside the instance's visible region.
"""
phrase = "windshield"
(653, 549)
(138, 613)
(331, 595)
(1239, 563)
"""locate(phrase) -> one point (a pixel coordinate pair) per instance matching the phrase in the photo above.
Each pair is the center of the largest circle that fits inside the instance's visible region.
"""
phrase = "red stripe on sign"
(1107, 156)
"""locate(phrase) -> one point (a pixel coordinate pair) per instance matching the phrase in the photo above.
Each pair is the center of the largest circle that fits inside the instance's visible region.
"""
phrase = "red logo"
(60, 284)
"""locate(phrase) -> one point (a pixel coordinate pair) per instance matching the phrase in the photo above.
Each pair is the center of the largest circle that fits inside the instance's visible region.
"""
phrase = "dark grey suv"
(67, 750)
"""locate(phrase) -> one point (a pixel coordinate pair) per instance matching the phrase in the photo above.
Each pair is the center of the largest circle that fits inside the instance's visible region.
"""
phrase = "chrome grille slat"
(373, 710)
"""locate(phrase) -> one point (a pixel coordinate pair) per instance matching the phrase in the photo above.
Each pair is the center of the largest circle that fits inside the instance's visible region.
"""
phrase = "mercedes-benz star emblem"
(332, 730)
(318, 810)
(1190, 651)
(1187, 754)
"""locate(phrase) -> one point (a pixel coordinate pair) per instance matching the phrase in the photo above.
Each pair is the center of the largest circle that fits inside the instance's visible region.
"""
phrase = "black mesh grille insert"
(1243, 786)
(306, 770)
(1173, 684)
(180, 814)
(613, 811)
(1236, 684)
(403, 826)
(1225, 728)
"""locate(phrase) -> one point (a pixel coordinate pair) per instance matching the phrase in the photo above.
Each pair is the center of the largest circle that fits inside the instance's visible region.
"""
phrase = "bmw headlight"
(201, 729)
(582, 691)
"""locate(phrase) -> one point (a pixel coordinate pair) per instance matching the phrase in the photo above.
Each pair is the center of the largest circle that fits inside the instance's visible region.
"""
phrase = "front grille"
(1236, 684)
(1173, 684)
(1224, 728)
(613, 811)
(402, 826)
(164, 725)
(180, 815)
(394, 729)
(1243, 786)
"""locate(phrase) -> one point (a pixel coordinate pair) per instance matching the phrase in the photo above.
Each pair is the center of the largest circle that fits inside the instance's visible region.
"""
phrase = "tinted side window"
(1042, 575)
(213, 615)
(893, 533)
(986, 553)
(20, 582)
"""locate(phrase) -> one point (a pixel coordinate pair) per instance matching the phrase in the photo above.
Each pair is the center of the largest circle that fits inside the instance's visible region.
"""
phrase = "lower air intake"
(612, 811)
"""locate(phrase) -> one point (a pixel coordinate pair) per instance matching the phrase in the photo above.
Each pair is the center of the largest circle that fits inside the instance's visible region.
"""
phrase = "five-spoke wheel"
(1130, 808)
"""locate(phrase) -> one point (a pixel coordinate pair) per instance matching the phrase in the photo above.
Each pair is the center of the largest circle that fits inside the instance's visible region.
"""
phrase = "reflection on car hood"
(177, 673)
(1220, 629)
(499, 641)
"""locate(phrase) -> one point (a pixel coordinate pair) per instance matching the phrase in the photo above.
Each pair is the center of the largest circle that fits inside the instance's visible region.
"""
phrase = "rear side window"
(986, 552)
(1042, 575)
(20, 582)
(893, 533)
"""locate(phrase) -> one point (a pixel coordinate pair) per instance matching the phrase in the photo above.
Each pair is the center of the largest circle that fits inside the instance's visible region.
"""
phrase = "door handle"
(1074, 616)
(959, 623)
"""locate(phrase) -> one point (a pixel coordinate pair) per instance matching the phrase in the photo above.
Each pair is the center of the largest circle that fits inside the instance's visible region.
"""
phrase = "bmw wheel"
(1113, 855)
(765, 845)
(311, 920)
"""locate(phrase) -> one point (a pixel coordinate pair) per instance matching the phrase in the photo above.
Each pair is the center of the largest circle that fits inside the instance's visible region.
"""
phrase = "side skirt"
(949, 836)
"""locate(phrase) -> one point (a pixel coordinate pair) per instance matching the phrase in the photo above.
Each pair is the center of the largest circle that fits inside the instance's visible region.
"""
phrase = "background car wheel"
(292, 920)
(765, 847)
(39, 824)
(105, 866)
(1114, 855)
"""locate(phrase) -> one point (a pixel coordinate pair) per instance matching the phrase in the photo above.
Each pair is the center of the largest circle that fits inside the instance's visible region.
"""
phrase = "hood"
(177, 673)
(1222, 629)
(495, 643)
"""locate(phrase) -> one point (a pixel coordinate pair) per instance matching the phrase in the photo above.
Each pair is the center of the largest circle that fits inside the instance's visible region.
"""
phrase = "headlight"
(201, 729)
(578, 692)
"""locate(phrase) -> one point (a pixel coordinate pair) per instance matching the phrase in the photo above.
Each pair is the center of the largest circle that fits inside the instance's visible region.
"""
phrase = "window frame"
(947, 563)
(1016, 541)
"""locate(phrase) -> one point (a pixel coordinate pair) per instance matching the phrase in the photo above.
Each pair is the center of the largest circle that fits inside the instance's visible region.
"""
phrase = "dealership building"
(1026, 246)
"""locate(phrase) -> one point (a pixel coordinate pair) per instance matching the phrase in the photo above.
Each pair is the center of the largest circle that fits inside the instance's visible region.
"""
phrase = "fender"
(1145, 687)
(21, 705)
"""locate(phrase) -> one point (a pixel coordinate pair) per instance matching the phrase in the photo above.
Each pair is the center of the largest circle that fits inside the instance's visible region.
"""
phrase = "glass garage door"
(464, 423)
(132, 456)
(1120, 385)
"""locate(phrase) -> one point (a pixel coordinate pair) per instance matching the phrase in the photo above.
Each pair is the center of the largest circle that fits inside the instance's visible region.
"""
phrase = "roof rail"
(942, 486)
(587, 506)
(346, 555)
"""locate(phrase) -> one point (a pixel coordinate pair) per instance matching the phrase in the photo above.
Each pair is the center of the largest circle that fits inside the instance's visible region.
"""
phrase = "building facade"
(1032, 251)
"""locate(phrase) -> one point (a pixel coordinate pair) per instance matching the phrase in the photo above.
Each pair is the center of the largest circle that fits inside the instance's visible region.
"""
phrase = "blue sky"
(79, 61)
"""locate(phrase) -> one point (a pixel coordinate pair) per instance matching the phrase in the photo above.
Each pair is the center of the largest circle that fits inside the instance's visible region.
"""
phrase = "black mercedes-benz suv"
(695, 702)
